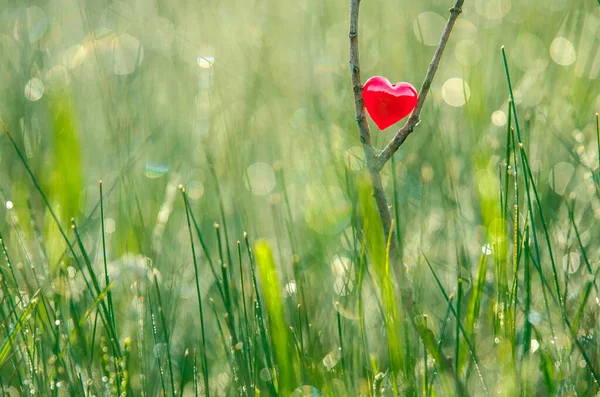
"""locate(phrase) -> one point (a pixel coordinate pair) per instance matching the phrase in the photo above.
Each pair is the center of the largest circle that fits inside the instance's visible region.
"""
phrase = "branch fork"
(376, 161)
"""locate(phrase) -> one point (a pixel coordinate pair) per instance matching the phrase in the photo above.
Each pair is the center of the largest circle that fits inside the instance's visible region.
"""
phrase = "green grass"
(233, 247)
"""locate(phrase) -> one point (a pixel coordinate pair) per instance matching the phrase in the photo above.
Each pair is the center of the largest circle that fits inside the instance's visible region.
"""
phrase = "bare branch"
(414, 119)
(363, 126)
(375, 163)
(359, 105)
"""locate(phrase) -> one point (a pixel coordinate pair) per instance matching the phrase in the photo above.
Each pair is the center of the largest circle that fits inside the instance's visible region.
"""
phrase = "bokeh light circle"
(562, 51)
(260, 179)
(456, 92)
(34, 89)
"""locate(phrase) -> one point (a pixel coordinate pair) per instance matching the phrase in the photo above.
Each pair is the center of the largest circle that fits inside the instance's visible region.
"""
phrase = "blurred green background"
(254, 98)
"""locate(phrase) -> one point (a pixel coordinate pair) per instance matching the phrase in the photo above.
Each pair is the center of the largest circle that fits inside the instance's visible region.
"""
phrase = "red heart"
(388, 103)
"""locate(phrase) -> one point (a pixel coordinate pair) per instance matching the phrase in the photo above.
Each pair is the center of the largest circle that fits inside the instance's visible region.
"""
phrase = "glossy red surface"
(388, 103)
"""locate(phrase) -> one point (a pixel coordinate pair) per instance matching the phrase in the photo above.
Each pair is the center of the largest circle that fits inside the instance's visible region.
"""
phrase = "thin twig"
(376, 162)
(359, 105)
(363, 126)
(414, 119)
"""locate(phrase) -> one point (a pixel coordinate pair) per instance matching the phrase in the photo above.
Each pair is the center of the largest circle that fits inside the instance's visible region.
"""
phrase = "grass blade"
(198, 295)
(473, 309)
(111, 309)
(7, 345)
(274, 304)
(462, 329)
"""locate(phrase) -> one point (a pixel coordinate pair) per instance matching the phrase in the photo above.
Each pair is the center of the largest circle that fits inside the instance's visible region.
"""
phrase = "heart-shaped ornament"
(388, 103)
